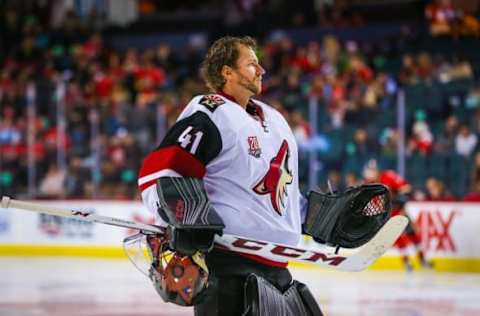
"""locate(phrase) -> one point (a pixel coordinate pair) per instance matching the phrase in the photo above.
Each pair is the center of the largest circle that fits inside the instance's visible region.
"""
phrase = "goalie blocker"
(192, 221)
(348, 219)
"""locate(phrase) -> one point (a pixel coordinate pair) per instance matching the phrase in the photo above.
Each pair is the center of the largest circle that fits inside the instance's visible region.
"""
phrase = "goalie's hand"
(188, 241)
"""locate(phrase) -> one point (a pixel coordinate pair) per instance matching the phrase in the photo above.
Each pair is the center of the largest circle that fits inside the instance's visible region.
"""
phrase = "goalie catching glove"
(348, 219)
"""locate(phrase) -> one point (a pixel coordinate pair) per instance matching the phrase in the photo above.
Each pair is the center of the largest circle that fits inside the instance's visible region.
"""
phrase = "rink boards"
(448, 233)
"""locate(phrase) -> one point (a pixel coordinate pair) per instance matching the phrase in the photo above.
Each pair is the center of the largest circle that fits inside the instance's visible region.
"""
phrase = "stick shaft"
(84, 216)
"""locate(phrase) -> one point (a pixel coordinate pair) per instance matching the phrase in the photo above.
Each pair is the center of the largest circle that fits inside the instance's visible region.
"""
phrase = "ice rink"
(33, 286)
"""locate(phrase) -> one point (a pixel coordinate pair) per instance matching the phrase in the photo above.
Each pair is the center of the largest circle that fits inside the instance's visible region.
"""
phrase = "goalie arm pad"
(192, 221)
(348, 219)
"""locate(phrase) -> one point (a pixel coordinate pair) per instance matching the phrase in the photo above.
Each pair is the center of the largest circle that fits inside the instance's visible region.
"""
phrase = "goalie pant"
(248, 288)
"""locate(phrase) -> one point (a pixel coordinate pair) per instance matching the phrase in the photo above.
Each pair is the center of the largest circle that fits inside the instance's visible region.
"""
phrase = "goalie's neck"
(238, 98)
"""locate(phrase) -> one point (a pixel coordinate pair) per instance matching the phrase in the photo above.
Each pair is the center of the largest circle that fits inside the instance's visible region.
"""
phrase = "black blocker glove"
(192, 221)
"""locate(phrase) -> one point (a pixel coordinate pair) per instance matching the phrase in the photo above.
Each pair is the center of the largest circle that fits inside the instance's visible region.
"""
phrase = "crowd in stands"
(449, 18)
(114, 100)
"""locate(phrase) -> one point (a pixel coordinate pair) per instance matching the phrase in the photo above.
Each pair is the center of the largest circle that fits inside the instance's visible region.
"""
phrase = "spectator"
(476, 168)
(425, 67)
(465, 141)
(474, 194)
(9, 132)
(436, 191)
(300, 127)
(447, 18)
(442, 17)
(351, 180)
(469, 25)
(422, 138)
(78, 180)
(445, 143)
(389, 143)
(53, 184)
(409, 71)
(363, 145)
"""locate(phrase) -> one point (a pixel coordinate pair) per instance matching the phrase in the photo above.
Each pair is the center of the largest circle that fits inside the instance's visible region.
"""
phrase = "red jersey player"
(399, 189)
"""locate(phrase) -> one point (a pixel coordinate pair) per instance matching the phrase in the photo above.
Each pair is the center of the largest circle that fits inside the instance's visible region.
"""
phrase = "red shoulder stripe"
(174, 158)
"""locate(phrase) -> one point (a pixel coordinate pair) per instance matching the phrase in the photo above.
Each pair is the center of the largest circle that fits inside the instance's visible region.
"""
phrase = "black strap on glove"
(348, 219)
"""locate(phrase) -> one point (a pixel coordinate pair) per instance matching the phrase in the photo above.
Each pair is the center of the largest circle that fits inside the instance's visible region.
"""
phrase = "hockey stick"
(355, 260)
(80, 215)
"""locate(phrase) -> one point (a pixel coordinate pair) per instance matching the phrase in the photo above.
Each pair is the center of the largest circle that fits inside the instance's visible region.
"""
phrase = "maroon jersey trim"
(173, 158)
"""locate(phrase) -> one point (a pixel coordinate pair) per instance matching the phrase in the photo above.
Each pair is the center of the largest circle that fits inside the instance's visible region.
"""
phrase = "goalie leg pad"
(300, 294)
(264, 299)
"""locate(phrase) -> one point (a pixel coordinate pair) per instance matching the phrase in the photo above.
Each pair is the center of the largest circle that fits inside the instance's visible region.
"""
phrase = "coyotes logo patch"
(253, 147)
(211, 101)
(276, 179)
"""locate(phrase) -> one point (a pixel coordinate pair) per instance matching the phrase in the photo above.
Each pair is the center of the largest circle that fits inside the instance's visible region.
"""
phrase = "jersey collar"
(252, 108)
(228, 96)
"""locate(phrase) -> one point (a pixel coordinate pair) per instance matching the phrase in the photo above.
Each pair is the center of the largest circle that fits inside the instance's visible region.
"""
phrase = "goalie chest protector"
(248, 161)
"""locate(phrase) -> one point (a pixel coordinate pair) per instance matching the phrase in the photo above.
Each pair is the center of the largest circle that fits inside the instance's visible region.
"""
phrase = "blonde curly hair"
(223, 52)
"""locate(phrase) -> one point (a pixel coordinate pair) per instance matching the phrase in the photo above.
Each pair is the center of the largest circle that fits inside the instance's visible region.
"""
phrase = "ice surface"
(33, 286)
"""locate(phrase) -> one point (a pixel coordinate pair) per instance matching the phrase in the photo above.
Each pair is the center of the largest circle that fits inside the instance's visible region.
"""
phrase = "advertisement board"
(448, 231)
(24, 227)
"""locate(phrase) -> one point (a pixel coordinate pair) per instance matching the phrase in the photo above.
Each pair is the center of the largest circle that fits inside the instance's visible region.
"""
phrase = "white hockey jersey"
(247, 159)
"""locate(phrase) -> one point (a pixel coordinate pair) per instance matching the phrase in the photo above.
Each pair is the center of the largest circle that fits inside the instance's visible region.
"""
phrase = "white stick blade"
(377, 246)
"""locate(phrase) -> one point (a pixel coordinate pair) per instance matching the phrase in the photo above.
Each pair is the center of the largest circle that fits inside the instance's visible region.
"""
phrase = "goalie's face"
(247, 75)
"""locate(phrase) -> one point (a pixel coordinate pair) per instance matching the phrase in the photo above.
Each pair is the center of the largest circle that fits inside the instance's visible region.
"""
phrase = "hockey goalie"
(229, 165)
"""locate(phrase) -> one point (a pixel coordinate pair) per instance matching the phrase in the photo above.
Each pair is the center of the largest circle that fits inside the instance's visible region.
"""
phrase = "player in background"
(400, 190)
(229, 164)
